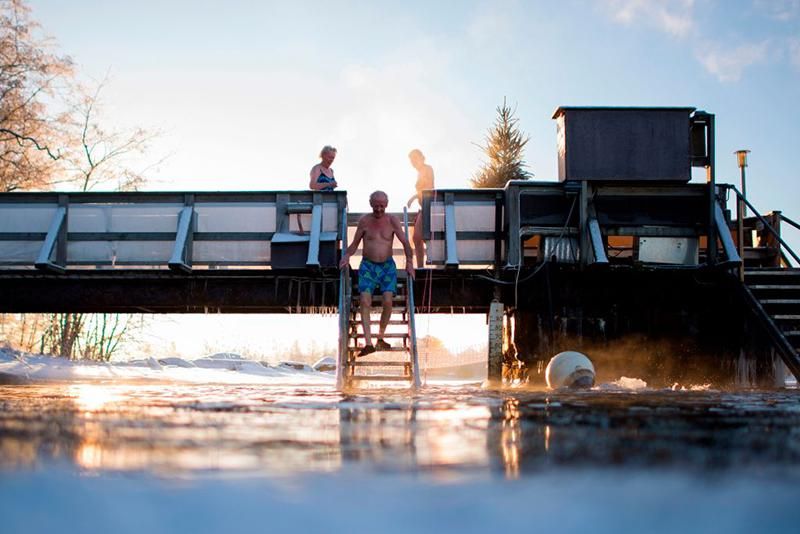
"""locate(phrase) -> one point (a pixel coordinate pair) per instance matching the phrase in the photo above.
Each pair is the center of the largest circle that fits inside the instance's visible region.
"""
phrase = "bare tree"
(100, 156)
(97, 157)
(50, 133)
(31, 74)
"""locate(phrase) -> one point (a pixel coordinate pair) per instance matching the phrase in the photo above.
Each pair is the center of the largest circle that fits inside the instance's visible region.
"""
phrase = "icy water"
(450, 431)
(175, 458)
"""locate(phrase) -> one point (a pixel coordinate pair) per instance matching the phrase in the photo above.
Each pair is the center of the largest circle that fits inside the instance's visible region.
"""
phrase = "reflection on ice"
(445, 431)
(92, 397)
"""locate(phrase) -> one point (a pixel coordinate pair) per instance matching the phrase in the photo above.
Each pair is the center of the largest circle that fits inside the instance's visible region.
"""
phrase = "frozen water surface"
(178, 457)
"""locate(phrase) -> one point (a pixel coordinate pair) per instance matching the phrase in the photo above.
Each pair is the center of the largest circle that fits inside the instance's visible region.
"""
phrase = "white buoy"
(569, 369)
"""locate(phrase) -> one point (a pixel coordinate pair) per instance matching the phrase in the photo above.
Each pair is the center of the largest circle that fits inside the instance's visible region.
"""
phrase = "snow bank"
(219, 368)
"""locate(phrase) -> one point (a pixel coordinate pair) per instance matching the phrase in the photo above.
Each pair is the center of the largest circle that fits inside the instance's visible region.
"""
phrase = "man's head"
(327, 155)
(417, 158)
(378, 202)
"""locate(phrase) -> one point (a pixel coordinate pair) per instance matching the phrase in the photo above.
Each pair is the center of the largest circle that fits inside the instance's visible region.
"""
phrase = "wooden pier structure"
(623, 258)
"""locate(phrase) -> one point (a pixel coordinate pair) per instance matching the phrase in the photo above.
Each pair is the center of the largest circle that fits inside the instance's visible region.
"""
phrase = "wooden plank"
(381, 378)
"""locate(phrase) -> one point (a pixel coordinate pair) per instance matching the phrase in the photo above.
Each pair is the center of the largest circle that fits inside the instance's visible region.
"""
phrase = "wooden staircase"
(774, 296)
(396, 364)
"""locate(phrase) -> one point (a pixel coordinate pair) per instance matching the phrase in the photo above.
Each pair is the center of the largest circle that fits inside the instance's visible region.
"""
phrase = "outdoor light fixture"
(741, 159)
(741, 156)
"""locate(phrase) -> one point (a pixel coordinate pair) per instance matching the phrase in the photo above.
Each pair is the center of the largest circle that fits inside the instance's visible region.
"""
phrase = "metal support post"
(495, 361)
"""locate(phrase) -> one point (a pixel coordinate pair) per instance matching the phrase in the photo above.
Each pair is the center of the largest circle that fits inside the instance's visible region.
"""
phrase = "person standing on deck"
(377, 270)
(321, 175)
(424, 181)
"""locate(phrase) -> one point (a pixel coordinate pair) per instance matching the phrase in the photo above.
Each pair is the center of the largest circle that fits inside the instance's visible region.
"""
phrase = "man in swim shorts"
(377, 270)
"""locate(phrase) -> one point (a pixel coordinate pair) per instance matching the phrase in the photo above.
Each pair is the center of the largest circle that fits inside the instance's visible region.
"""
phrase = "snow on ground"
(223, 368)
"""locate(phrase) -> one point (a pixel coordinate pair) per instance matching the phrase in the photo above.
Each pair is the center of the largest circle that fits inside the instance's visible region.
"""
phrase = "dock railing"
(180, 231)
(464, 227)
(526, 223)
(345, 299)
(758, 238)
(412, 328)
(610, 223)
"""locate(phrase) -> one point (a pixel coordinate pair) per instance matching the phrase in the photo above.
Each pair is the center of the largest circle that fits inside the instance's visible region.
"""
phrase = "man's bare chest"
(379, 229)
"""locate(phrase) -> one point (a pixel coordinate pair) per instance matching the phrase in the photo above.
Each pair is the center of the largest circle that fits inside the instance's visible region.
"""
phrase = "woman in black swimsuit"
(321, 175)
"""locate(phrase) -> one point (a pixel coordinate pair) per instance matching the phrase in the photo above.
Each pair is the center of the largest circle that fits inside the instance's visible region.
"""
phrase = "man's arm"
(354, 245)
(401, 236)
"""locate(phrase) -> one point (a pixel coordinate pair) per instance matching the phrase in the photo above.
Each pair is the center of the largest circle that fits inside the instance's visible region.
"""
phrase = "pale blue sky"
(248, 91)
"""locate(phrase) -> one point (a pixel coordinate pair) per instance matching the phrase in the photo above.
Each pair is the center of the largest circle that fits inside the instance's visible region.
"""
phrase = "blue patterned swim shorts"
(381, 275)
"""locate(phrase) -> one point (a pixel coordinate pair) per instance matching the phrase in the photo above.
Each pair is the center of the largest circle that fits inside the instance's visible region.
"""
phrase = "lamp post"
(741, 159)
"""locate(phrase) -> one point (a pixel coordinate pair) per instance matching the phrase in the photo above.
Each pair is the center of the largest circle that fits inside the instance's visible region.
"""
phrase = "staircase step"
(792, 333)
(381, 378)
(362, 363)
(780, 301)
(359, 335)
(766, 287)
(392, 349)
(785, 276)
(357, 322)
(782, 317)
(396, 310)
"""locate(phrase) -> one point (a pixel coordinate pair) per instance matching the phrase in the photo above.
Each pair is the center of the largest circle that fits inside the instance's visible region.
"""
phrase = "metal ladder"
(398, 365)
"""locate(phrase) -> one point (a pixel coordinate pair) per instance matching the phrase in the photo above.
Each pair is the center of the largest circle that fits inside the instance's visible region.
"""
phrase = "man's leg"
(386, 313)
(366, 284)
(366, 305)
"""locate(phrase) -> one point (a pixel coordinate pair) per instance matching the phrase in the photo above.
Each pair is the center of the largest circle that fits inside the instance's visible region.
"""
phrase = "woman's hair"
(416, 153)
(327, 148)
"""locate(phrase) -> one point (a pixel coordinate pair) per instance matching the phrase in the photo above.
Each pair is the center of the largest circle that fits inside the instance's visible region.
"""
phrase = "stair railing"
(344, 308)
(741, 202)
(412, 328)
(793, 224)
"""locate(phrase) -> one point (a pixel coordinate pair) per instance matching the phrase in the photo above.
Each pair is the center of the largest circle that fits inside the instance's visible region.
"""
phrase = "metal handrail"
(344, 308)
(786, 219)
(412, 329)
(766, 224)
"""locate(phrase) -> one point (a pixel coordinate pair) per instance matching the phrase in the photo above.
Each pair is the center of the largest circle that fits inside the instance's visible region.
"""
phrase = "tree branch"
(21, 138)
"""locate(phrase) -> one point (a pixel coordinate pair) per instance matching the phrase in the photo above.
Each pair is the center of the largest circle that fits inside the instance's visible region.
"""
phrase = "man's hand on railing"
(410, 268)
(345, 261)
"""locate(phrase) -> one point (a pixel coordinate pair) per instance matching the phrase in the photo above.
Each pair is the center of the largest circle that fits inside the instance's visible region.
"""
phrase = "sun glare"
(93, 397)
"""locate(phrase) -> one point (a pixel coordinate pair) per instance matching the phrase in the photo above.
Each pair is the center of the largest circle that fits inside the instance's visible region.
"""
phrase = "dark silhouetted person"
(424, 181)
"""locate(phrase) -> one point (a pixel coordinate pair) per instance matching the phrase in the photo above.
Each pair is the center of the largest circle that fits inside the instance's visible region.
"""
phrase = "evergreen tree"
(504, 148)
